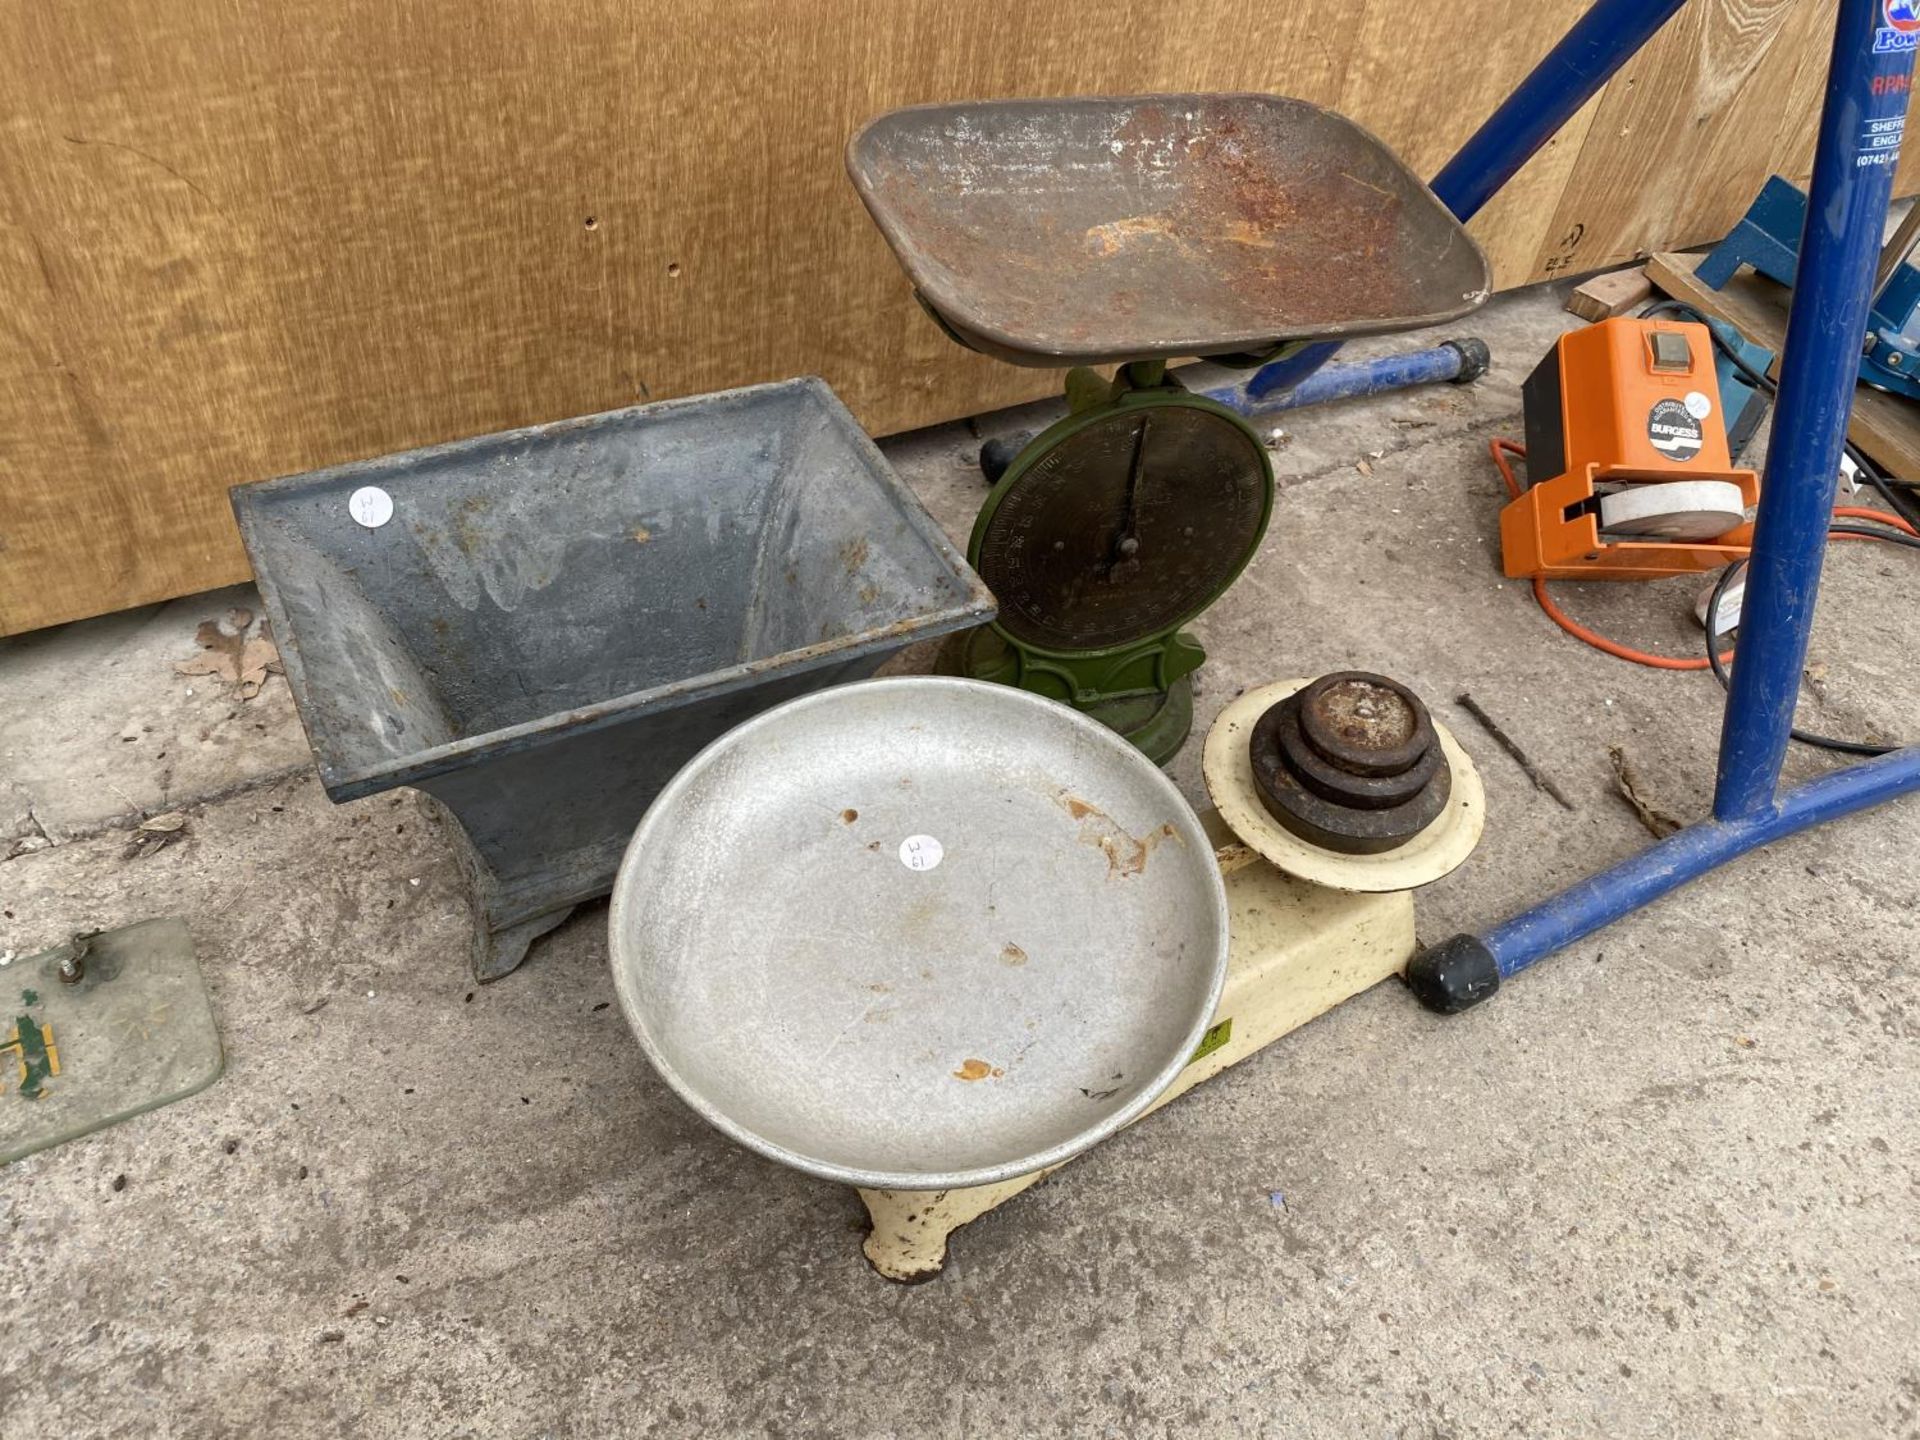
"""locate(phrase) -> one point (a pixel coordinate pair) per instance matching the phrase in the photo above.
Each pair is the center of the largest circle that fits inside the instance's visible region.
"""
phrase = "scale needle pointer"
(1126, 545)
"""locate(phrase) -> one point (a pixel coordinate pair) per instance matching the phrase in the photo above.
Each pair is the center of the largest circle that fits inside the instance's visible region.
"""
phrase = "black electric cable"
(1727, 576)
(1900, 504)
(1874, 532)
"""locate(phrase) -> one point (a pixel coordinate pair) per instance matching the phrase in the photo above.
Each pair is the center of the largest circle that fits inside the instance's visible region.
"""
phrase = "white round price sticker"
(921, 852)
(371, 506)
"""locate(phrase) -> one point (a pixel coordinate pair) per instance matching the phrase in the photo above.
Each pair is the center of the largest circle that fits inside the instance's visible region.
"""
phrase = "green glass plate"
(134, 1032)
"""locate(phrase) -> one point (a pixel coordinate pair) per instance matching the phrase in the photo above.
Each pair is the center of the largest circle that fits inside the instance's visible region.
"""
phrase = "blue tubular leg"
(1284, 375)
(1452, 360)
(1860, 130)
(1467, 969)
(1601, 41)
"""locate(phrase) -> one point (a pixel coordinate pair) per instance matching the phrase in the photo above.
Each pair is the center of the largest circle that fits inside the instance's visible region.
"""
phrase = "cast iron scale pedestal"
(1134, 231)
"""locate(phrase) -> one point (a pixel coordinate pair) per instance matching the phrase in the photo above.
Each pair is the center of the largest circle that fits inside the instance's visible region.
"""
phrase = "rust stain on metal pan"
(1127, 854)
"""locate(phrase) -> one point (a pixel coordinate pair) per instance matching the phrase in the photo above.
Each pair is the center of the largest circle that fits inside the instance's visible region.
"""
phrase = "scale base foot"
(1156, 725)
(498, 953)
(1298, 950)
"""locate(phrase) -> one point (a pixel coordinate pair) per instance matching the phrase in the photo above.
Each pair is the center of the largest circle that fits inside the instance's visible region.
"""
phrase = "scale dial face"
(1125, 529)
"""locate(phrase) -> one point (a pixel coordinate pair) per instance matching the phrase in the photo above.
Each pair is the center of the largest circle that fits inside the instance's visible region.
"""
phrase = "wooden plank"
(1516, 226)
(1885, 426)
(238, 241)
(253, 240)
(1613, 293)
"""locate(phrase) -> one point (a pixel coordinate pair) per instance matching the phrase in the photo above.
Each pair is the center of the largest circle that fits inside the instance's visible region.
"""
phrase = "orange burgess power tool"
(1627, 452)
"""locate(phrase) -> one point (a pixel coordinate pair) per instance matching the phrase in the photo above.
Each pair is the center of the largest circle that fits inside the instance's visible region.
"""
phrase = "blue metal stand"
(1763, 238)
(1868, 81)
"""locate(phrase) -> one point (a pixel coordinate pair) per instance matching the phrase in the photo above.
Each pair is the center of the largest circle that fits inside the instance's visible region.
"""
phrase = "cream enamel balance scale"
(933, 937)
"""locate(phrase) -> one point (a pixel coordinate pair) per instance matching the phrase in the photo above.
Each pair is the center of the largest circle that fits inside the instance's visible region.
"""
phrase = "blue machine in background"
(1742, 401)
(1768, 239)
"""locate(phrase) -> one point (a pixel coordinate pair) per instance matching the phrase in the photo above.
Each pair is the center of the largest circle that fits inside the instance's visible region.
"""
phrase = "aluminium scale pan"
(1106, 228)
(919, 933)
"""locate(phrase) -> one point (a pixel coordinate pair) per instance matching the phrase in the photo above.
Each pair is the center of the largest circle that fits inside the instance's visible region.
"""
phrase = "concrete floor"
(1666, 1185)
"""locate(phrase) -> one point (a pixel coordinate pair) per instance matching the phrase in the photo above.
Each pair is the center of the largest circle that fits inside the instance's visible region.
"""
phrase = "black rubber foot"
(1474, 359)
(1454, 975)
(997, 454)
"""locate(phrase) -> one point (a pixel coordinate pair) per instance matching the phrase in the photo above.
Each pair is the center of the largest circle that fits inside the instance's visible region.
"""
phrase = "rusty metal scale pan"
(1105, 228)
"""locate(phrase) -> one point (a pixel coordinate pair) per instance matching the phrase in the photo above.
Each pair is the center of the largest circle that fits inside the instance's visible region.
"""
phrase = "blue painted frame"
(1869, 78)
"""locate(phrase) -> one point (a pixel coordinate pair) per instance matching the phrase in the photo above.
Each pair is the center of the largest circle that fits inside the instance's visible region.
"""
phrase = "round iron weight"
(1279, 732)
(1350, 763)
(1365, 723)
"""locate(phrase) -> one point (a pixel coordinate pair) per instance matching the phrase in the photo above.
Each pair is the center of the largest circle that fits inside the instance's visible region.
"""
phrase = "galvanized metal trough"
(549, 622)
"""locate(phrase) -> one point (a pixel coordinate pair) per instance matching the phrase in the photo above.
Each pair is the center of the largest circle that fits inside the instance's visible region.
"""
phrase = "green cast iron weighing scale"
(1133, 231)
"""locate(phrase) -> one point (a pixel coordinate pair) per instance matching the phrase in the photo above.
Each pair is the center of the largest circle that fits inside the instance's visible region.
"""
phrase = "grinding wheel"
(919, 933)
(1678, 510)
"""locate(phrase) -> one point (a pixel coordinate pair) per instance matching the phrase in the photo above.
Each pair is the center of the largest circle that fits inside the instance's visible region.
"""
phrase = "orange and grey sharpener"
(1623, 402)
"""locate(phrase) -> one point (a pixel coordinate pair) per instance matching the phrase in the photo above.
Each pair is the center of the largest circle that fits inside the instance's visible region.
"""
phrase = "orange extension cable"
(1501, 447)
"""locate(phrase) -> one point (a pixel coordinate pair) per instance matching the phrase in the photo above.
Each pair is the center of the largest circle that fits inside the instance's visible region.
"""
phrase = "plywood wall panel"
(237, 241)
(1711, 105)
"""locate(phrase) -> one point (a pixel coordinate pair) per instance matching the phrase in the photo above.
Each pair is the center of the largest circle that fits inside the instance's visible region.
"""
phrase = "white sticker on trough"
(371, 506)
(921, 852)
